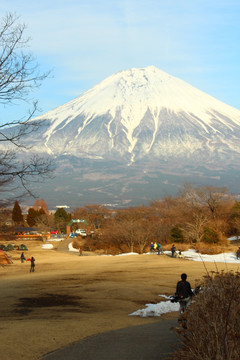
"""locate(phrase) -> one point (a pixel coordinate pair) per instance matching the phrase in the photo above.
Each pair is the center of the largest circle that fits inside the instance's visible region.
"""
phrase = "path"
(146, 342)
(63, 245)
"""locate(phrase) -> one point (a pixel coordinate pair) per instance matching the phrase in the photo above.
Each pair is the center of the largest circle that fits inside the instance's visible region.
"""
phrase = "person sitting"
(179, 254)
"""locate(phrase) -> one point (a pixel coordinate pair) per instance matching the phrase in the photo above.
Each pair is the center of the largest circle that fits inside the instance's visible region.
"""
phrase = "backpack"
(183, 289)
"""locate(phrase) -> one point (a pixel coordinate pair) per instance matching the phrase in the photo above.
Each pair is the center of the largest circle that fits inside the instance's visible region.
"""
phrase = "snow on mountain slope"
(138, 113)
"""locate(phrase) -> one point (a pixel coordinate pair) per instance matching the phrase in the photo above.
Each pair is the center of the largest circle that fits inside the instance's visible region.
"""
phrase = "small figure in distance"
(184, 293)
(159, 248)
(180, 255)
(22, 257)
(173, 250)
(238, 253)
(155, 246)
(32, 268)
(151, 247)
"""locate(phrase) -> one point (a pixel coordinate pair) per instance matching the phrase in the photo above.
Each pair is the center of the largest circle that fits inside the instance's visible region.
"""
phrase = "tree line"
(198, 214)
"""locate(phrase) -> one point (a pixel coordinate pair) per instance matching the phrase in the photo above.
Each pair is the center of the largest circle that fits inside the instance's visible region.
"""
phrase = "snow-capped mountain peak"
(138, 112)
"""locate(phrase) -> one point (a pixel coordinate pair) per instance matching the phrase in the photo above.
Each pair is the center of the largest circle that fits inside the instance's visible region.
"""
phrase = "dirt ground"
(70, 297)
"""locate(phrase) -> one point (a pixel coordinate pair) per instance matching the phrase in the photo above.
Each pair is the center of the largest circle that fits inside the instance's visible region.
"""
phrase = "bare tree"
(19, 75)
(194, 231)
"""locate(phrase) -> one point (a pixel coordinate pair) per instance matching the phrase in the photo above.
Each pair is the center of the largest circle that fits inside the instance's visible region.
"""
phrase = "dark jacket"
(183, 289)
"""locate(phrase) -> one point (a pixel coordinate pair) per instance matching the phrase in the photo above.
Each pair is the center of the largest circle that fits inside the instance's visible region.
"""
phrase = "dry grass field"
(70, 297)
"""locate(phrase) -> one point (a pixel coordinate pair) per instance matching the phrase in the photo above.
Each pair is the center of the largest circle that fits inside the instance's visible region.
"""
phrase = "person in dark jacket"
(173, 250)
(32, 268)
(184, 293)
(159, 248)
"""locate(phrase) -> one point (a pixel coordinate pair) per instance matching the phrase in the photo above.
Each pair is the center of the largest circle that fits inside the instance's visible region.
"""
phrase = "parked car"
(81, 232)
(73, 235)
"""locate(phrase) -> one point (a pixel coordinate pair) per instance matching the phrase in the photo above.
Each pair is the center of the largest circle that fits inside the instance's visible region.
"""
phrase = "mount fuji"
(138, 135)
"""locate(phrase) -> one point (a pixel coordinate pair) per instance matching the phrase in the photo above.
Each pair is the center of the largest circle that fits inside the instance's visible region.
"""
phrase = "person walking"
(159, 248)
(184, 293)
(151, 247)
(32, 268)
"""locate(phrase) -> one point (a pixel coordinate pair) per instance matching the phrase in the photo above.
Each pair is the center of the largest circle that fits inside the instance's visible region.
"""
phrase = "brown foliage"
(212, 328)
(193, 210)
(203, 248)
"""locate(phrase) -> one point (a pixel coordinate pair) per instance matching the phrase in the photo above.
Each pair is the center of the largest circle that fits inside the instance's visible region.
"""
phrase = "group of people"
(175, 253)
(32, 261)
(156, 247)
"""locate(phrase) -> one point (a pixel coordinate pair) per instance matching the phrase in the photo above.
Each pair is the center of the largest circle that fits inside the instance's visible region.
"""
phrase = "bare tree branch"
(19, 75)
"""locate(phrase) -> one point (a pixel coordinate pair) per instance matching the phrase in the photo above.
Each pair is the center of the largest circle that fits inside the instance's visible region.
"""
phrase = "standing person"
(151, 247)
(173, 250)
(155, 246)
(32, 268)
(184, 293)
(22, 257)
(159, 248)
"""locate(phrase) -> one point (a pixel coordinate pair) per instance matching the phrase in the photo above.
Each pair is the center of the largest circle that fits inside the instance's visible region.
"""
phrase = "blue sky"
(84, 41)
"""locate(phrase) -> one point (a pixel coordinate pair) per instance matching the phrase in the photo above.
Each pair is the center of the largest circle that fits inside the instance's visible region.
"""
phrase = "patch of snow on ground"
(56, 239)
(131, 253)
(224, 257)
(234, 238)
(158, 309)
(71, 248)
(47, 246)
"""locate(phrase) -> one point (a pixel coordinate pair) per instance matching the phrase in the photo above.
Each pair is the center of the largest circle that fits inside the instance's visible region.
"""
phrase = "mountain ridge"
(136, 136)
(140, 111)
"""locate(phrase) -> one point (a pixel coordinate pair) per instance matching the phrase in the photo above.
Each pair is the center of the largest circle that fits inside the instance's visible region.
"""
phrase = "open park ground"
(71, 297)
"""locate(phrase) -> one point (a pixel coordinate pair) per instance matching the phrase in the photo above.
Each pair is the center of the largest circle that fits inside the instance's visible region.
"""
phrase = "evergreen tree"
(61, 218)
(210, 236)
(17, 216)
(176, 234)
(34, 216)
(31, 216)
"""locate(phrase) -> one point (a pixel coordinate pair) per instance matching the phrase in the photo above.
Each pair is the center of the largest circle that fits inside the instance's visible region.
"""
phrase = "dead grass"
(212, 249)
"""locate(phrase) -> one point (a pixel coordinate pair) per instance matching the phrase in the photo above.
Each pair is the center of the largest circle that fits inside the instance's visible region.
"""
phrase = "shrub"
(210, 236)
(212, 328)
(176, 234)
(210, 249)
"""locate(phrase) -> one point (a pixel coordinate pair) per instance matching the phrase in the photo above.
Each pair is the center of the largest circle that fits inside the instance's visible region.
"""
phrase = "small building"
(76, 221)
(27, 233)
